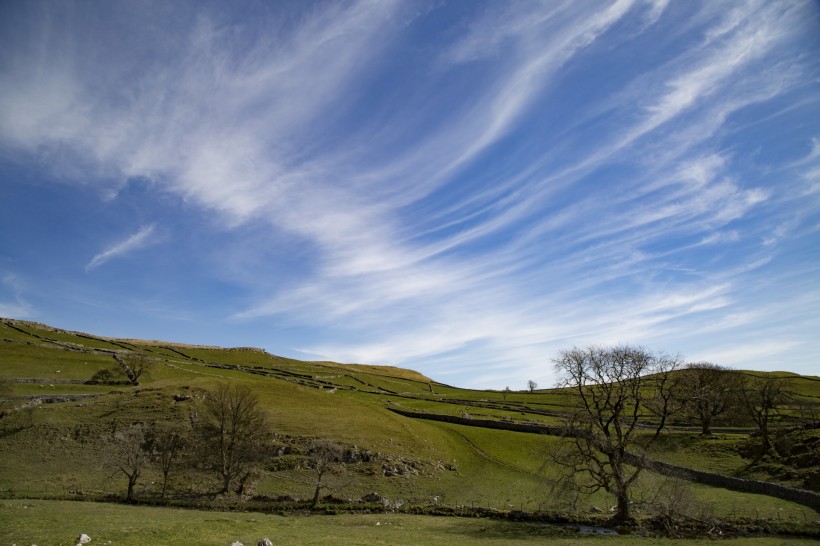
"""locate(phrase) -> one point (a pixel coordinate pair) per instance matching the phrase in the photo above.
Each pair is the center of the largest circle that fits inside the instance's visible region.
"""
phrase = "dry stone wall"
(801, 496)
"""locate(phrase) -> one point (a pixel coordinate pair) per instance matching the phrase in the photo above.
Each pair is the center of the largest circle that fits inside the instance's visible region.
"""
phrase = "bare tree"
(763, 398)
(167, 443)
(612, 386)
(234, 430)
(809, 412)
(134, 364)
(128, 455)
(532, 385)
(325, 458)
(708, 391)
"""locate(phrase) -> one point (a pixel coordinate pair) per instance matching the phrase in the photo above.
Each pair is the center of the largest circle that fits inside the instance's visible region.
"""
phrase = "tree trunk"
(164, 483)
(766, 443)
(129, 496)
(622, 511)
(621, 488)
(316, 493)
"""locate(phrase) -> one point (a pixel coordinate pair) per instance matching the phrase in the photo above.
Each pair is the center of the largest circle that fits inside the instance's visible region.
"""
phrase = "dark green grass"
(719, 453)
(54, 449)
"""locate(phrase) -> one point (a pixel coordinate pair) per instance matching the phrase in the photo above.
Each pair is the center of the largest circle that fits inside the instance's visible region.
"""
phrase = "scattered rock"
(265, 542)
(596, 510)
(237, 543)
(83, 539)
(374, 497)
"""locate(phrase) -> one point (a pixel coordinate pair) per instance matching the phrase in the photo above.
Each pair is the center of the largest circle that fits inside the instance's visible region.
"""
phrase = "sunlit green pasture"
(62, 522)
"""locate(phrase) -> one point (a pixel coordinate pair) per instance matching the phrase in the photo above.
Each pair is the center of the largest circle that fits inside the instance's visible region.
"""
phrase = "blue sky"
(463, 188)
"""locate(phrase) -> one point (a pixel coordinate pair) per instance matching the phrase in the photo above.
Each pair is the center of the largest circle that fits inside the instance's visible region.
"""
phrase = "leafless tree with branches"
(134, 364)
(167, 442)
(613, 386)
(708, 392)
(325, 458)
(128, 454)
(764, 398)
(234, 432)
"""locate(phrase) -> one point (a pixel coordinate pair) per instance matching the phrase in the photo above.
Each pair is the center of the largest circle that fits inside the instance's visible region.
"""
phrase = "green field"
(54, 451)
(61, 522)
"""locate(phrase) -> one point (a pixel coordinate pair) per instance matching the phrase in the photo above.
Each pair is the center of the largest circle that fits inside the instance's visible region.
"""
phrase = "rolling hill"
(57, 419)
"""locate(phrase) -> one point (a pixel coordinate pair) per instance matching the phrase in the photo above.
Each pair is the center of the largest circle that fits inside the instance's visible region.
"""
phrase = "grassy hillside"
(56, 449)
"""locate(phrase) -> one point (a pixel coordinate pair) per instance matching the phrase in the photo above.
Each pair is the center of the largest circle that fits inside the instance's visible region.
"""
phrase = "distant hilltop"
(254, 349)
(149, 343)
(135, 341)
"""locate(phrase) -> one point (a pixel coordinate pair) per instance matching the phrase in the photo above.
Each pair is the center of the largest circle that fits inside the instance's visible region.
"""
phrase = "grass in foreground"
(61, 522)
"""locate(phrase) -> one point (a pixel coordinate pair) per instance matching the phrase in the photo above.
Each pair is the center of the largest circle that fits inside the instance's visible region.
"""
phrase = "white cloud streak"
(142, 238)
(515, 263)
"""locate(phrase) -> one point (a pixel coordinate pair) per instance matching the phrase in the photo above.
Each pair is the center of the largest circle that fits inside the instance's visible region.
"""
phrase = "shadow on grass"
(512, 531)
(10, 430)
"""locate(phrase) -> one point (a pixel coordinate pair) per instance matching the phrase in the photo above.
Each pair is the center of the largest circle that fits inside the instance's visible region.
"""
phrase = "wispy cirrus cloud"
(538, 175)
(696, 199)
(143, 237)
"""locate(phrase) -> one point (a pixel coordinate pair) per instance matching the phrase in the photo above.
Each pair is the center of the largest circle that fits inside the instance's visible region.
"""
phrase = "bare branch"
(234, 432)
(614, 386)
